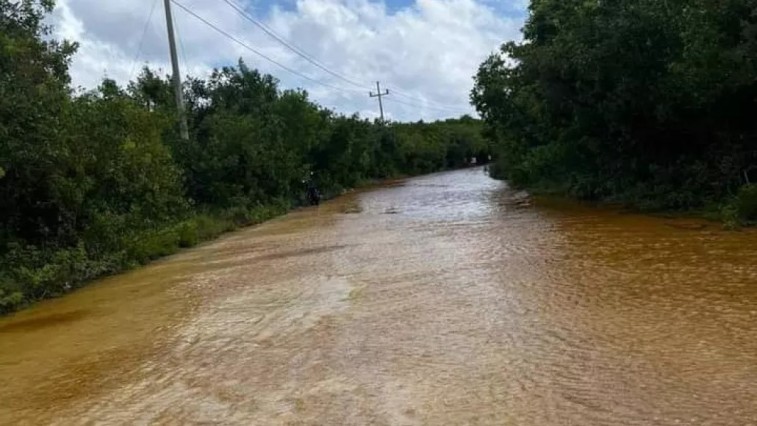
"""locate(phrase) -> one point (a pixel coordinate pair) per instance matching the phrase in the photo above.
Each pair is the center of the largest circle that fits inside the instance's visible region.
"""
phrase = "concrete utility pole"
(379, 95)
(183, 128)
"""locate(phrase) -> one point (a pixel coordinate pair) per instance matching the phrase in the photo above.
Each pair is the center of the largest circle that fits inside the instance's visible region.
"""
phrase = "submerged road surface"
(440, 300)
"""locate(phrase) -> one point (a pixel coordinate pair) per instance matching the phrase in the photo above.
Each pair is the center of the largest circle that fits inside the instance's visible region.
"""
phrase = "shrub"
(188, 233)
(746, 203)
(742, 209)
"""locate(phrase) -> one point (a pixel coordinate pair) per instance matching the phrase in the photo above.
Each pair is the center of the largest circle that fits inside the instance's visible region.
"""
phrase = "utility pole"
(379, 95)
(183, 128)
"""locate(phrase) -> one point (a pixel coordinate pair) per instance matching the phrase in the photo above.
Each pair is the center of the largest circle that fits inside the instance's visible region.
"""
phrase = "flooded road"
(440, 300)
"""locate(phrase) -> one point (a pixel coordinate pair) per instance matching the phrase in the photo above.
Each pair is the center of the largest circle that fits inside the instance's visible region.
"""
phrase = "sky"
(425, 52)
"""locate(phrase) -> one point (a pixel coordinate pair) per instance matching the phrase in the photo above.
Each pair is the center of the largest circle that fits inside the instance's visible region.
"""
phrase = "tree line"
(647, 102)
(93, 183)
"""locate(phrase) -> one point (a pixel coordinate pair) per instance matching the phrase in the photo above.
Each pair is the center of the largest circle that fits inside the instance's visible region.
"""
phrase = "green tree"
(645, 101)
(34, 96)
(92, 183)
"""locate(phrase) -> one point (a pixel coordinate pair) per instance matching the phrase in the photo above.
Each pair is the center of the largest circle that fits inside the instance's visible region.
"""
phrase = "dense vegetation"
(648, 102)
(94, 183)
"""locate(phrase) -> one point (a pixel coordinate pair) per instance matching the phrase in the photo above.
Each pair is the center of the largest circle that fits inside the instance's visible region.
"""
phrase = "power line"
(412, 98)
(429, 107)
(181, 45)
(299, 74)
(454, 110)
(300, 52)
(251, 49)
(142, 39)
(289, 45)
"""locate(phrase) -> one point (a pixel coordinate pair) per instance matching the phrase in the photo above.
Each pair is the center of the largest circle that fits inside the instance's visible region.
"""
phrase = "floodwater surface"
(444, 299)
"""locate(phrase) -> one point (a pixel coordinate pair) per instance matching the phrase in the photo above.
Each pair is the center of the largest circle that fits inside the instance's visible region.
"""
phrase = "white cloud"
(428, 50)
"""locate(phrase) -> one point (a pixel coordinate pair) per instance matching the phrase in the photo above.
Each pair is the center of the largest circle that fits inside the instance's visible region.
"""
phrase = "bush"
(188, 234)
(93, 183)
(11, 296)
(10, 301)
(150, 245)
(742, 209)
(746, 203)
(729, 214)
(211, 226)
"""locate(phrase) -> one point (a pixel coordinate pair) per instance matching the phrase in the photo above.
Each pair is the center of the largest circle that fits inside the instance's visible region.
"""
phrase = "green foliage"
(742, 209)
(729, 214)
(425, 148)
(188, 233)
(746, 203)
(11, 300)
(91, 184)
(648, 102)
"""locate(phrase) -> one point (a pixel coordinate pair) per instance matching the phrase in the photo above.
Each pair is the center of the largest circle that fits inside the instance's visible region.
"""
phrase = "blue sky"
(425, 51)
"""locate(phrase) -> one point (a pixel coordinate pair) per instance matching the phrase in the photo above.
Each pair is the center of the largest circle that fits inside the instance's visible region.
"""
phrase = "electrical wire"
(142, 39)
(253, 50)
(181, 44)
(412, 98)
(300, 52)
(423, 102)
(457, 111)
(290, 46)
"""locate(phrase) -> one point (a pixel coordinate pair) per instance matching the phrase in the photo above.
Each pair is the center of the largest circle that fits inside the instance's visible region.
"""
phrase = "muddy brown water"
(441, 300)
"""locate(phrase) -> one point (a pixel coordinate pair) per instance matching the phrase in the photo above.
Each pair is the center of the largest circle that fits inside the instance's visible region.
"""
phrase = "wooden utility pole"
(182, 116)
(379, 95)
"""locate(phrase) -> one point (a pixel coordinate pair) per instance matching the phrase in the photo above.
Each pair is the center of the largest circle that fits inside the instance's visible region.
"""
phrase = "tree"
(95, 182)
(34, 96)
(646, 101)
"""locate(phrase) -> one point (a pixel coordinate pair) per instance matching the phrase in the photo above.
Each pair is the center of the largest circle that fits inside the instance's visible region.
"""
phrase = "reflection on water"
(442, 300)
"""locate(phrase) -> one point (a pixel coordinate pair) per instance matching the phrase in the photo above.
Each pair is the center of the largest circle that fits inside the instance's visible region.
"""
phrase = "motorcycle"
(313, 196)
